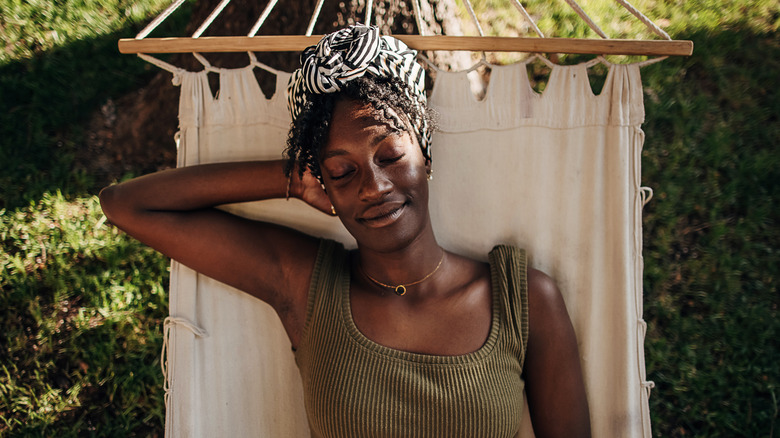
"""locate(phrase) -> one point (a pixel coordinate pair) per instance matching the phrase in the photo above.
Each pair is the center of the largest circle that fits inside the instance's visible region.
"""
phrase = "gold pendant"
(400, 290)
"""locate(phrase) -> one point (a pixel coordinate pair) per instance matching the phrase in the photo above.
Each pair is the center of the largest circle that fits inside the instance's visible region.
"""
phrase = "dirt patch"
(132, 134)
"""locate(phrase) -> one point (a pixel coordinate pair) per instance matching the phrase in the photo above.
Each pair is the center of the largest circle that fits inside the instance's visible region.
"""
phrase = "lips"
(382, 215)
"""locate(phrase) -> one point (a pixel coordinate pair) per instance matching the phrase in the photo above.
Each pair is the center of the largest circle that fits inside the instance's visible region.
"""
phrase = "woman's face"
(376, 178)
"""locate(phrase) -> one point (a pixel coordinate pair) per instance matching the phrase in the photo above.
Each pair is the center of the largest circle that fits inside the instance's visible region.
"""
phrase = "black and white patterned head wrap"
(349, 54)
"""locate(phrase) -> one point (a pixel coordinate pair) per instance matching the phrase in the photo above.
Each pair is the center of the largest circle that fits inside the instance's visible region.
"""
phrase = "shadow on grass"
(711, 236)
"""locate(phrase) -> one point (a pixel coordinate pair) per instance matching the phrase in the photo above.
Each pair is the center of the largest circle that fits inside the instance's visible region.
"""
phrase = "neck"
(404, 265)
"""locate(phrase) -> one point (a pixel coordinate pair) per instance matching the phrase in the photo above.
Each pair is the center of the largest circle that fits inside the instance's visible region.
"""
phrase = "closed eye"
(392, 159)
(341, 176)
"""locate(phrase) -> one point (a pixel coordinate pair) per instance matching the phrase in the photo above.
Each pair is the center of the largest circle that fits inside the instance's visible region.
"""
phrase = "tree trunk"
(135, 134)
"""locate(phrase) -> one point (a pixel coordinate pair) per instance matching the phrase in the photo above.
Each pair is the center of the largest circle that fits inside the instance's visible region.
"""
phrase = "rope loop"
(177, 72)
(168, 323)
(648, 386)
(646, 194)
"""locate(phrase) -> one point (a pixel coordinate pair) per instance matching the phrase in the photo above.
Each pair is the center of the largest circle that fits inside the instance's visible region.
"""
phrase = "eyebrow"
(333, 153)
(376, 139)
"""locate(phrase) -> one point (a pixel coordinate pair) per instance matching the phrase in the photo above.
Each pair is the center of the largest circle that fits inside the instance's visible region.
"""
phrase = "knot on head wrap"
(349, 54)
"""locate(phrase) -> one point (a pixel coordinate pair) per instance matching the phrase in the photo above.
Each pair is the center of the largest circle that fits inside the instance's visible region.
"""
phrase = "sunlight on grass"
(82, 306)
(32, 27)
(557, 19)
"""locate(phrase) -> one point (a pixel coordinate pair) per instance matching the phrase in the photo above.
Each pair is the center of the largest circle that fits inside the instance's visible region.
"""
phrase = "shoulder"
(542, 289)
(546, 307)
(554, 383)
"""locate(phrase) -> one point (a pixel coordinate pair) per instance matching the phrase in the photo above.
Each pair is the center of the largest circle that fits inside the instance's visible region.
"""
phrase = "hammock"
(557, 173)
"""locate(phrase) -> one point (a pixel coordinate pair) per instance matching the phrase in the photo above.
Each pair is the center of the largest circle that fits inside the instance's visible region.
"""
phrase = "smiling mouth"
(384, 218)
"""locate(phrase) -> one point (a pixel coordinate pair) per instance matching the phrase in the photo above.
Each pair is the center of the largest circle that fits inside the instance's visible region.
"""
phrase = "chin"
(391, 238)
(388, 244)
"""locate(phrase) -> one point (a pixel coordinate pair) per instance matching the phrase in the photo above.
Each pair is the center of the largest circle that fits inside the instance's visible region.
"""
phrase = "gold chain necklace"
(400, 289)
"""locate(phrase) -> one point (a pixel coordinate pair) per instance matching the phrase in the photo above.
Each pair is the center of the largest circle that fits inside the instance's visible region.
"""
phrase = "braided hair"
(387, 95)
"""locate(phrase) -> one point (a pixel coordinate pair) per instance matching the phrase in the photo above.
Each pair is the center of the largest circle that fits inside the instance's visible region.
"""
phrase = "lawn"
(81, 305)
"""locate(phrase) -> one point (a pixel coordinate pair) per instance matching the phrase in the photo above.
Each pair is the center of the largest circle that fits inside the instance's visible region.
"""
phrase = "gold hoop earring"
(333, 210)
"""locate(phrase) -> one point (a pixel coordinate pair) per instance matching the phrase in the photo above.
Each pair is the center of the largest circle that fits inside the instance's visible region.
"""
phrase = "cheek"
(417, 176)
(414, 183)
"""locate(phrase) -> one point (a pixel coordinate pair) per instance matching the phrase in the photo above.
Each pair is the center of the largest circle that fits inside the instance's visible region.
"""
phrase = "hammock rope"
(206, 64)
(527, 17)
(651, 61)
(266, 12)
(268, 68)
(653, 27)
(314, 17)
(642, 196)
(256, 28)
(474, 17)
(647, 195)
(210, 19)
(574, 5)
(159, 19)
(369, 6)
(163, 65)
(418, 16)
(665, 47)
(169, 323)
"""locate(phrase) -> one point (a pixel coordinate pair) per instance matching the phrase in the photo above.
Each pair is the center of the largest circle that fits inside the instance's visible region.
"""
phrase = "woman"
(398, 337)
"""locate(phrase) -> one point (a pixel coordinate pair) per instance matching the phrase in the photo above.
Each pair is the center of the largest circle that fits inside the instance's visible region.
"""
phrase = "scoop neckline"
(407, 356)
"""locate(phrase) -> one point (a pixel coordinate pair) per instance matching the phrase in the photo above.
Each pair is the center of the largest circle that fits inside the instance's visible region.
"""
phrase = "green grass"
(712, 245)
(81, 310)
(81, 305)
(59, 64)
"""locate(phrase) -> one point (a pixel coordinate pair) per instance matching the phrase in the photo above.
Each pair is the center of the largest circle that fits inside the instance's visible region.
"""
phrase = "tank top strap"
(508, 270)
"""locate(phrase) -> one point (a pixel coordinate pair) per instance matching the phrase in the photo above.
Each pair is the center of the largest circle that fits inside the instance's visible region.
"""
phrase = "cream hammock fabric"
(556, 173)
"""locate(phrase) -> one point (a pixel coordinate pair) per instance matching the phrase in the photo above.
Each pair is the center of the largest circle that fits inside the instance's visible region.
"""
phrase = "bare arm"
(173, 212)
(554, 384)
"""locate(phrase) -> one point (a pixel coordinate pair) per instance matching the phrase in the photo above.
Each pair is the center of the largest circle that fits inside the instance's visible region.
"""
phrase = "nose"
(374, 184)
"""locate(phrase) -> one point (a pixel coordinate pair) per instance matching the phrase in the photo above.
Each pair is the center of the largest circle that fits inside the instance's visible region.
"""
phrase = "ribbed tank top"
(355, 387)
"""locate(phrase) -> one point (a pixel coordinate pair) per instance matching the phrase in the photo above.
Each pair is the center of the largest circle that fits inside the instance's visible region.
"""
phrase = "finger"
(319, 200)
(310, 180)
(327, 207)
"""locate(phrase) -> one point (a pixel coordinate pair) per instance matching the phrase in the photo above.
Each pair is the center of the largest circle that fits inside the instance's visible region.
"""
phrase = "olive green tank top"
(354, 387)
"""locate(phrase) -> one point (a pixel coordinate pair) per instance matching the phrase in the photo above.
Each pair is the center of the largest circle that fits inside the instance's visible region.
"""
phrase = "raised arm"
(174, 212)
(554, 384)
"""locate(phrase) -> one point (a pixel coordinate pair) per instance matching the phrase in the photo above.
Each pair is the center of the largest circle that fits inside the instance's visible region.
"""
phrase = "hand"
(308, 189)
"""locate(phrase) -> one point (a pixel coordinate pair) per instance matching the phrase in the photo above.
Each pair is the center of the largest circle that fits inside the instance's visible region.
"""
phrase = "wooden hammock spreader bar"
(297, 43)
